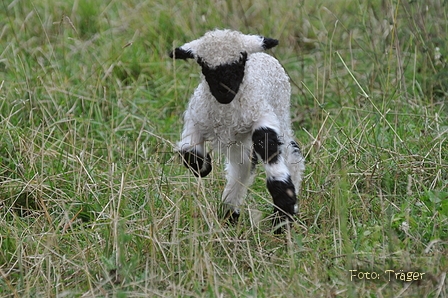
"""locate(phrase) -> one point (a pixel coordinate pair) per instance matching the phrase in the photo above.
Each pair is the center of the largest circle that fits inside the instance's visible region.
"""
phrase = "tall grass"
(93, 201)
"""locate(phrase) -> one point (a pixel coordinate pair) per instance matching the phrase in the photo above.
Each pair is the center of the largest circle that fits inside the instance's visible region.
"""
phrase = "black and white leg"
(268, 146)
(192, 151)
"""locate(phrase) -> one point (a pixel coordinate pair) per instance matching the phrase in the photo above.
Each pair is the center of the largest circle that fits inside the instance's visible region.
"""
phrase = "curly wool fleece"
(242, 105)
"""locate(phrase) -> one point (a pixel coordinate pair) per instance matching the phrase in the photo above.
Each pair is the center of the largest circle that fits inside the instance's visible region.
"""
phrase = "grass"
(93, 202)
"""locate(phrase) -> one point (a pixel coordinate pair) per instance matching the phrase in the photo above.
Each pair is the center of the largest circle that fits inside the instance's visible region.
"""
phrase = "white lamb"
(242, 105)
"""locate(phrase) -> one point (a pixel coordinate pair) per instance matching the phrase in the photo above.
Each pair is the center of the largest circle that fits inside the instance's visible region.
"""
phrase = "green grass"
(93, 202)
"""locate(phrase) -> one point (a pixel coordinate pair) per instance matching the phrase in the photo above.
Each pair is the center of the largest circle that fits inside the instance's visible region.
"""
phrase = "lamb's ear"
(180, 53)
(258, 43)
(187, 51)
(269, 43)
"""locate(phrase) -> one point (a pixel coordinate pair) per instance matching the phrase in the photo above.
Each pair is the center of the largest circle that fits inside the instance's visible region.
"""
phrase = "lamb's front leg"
(268, 145)
(192, 150)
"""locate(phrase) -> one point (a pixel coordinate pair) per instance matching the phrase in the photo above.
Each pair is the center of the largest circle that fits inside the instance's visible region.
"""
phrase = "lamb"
(242, 106)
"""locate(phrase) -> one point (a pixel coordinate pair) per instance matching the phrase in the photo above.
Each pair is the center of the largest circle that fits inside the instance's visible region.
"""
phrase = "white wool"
(213, 44)
(262, 101)
(264, 91)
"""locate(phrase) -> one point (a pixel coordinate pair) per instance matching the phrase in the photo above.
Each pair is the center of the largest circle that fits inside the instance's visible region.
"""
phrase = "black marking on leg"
(296, 148)
(224, 80)
(267, 144)
(253, 160)
(285, 200)
(195, 162)
(284, 195)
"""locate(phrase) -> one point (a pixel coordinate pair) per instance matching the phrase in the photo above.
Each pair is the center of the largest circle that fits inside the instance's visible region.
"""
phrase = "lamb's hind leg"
(239, 178)
(268, 145)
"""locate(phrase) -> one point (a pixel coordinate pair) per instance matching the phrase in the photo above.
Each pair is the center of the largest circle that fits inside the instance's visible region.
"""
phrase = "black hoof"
(281, 221)
(232, 217)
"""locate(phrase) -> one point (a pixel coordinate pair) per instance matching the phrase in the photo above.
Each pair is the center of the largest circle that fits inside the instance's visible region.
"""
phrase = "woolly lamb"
(242, 106)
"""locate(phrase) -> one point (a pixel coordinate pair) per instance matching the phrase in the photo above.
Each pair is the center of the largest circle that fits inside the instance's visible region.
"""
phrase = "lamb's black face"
(224, 80)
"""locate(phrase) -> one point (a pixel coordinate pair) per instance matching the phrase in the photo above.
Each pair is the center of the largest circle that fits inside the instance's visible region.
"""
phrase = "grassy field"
(94, 203)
